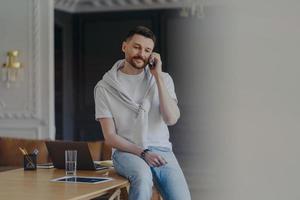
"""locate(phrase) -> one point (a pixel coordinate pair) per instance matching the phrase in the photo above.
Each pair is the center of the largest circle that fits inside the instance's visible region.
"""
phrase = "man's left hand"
(154, 159)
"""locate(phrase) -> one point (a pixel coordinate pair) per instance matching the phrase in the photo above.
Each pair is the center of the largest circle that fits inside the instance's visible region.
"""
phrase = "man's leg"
(137, 172)
(169, 178)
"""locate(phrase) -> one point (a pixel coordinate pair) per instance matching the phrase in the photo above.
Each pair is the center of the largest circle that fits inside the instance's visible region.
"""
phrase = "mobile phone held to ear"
(152, 64)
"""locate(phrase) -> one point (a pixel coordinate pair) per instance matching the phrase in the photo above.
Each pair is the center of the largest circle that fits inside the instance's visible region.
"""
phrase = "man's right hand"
(154, 159)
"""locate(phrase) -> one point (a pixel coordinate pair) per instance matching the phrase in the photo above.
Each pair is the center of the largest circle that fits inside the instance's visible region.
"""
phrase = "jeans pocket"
(115, 160)
(113, 155)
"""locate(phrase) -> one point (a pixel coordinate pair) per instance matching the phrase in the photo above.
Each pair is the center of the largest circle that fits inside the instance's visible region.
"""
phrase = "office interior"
(235, 65)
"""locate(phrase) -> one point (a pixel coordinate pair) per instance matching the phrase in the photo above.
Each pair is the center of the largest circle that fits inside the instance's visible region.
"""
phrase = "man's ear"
(124, 46)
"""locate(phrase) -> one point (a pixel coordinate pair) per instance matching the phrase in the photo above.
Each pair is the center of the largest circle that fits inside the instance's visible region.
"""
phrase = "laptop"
(56, 150)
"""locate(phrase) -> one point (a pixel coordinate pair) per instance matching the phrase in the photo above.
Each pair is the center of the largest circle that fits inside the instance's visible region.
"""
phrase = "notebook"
(56, 150)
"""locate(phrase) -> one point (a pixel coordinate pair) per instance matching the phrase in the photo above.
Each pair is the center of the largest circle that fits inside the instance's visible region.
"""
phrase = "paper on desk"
(105, 163)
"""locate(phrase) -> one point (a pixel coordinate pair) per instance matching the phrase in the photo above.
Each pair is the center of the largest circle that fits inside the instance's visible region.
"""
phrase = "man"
(135, 102)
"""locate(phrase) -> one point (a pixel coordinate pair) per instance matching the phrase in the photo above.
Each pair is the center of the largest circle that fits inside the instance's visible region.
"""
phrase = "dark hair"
(141, 30)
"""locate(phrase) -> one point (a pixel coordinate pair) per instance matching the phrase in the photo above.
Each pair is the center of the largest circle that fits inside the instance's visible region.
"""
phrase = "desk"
(35, 185)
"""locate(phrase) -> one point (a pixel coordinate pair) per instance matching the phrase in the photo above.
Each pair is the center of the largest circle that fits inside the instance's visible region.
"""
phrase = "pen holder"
(30, 162)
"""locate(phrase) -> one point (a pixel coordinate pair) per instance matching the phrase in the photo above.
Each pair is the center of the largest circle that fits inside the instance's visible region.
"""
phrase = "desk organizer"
(30, 162)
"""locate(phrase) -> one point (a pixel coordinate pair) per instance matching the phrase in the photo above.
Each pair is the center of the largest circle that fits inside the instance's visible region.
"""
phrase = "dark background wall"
(65, 67)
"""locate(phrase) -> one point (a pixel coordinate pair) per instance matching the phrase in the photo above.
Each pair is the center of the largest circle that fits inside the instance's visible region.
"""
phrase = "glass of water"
(71, 162)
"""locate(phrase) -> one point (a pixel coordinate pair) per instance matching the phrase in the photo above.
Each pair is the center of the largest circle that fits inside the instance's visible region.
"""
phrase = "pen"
(35, 151)
(24, 152)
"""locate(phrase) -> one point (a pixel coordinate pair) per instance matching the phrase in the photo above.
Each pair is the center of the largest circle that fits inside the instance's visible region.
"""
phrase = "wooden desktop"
(36, 184)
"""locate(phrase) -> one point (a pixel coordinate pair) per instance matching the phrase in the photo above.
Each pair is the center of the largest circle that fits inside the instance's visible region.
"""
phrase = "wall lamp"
(11, 70)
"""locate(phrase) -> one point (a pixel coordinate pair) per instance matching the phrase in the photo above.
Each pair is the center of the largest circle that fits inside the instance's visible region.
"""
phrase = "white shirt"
(134, 85)
(107, 106)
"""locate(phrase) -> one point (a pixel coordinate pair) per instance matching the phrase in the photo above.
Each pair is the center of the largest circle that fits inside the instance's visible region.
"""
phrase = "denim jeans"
(168, 179)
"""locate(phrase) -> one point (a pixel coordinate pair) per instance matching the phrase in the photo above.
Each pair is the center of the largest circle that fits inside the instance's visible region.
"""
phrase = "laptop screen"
(56, 150)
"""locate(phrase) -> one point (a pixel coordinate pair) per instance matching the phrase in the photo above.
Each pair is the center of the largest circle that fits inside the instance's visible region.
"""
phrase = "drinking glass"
(71, 162)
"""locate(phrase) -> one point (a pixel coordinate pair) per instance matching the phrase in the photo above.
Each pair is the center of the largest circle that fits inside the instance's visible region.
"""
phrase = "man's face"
(137, 50)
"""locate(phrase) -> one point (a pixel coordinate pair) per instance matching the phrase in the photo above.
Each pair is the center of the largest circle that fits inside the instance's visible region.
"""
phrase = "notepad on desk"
(104, 163)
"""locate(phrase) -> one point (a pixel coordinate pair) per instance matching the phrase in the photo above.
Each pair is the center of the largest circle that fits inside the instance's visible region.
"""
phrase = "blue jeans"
(168, 179)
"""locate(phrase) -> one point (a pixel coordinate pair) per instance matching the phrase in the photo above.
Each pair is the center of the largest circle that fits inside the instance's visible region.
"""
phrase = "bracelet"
(144, 153)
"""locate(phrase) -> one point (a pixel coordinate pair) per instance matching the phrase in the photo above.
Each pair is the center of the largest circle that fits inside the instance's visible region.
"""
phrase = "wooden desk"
(33, 185)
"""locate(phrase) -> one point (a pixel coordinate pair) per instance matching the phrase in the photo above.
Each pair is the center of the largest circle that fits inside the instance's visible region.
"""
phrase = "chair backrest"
(10, 155)
(106, 152)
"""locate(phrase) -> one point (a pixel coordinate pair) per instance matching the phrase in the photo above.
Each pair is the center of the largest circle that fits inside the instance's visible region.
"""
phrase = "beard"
(135, 65)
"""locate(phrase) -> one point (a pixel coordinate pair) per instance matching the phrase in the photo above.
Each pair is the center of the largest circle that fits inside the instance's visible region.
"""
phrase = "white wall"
(27, 108)
(237, 74)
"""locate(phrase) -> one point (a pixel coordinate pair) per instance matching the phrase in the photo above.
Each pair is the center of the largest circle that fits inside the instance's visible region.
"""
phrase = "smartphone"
(152, 64)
